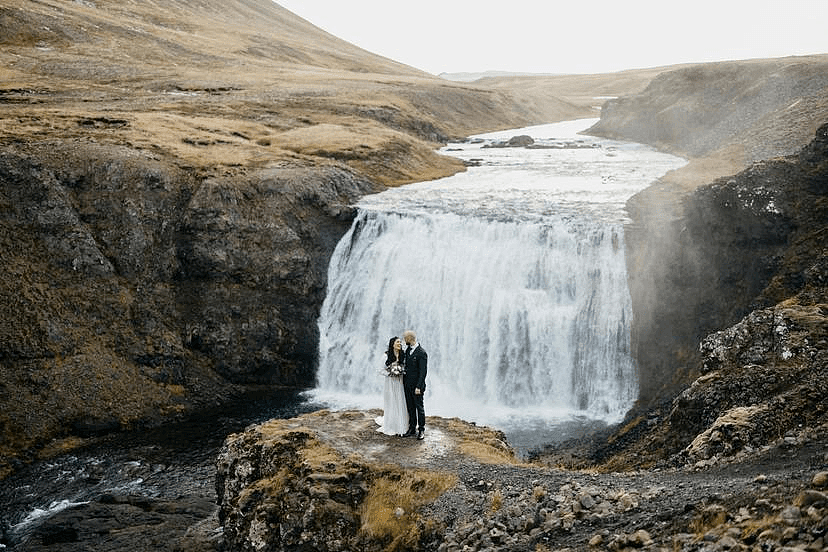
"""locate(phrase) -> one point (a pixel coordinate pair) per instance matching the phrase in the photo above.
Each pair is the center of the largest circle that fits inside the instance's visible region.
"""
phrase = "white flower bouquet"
(394, 369)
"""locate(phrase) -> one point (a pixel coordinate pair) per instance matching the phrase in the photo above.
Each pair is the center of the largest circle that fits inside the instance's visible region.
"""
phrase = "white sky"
(572, 36)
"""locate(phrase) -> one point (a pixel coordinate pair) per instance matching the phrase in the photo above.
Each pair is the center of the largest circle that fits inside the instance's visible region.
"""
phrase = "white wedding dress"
(394, 420)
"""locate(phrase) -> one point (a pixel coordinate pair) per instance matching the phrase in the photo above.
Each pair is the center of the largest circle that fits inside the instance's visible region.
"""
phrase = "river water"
(164, 463)
(513, 276)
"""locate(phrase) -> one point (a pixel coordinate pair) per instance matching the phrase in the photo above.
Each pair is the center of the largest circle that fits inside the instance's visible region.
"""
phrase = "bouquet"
(394, 369)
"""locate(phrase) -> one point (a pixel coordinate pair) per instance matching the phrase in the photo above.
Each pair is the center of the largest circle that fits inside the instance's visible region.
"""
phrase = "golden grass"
(496, 501)
(487, 453)
(389, 510)
(318, 455)
(479, 442)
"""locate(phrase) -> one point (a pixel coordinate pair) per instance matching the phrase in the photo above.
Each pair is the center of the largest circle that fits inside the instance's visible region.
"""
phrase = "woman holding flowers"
(395, 414)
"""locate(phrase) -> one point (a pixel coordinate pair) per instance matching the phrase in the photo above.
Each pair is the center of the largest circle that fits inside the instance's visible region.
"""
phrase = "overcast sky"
(573, 36)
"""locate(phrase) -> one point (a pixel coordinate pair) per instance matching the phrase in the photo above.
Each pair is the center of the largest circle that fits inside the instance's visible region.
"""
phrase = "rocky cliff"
(700, 256)
(133, 290)
(750, 286)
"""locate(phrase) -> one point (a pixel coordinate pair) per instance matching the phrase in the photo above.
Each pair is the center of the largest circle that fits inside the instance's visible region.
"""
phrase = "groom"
(416, 362)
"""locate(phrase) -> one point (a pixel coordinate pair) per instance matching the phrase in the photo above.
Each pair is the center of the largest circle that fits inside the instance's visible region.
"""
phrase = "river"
(512, 273)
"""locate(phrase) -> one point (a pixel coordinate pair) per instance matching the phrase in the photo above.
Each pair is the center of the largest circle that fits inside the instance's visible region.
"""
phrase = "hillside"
(243, 83)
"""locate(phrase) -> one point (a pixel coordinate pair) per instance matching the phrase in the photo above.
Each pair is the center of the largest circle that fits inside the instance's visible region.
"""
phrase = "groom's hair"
(409, 333)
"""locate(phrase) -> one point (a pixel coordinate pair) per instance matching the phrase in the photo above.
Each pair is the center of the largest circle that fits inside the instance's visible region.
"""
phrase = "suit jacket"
(416, 367)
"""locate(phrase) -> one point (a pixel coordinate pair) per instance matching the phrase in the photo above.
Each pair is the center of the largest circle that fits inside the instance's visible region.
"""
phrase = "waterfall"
(532, 317)
(511, 273)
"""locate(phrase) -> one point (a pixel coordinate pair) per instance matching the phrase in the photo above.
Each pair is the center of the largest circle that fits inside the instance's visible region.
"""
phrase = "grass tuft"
(389, 510)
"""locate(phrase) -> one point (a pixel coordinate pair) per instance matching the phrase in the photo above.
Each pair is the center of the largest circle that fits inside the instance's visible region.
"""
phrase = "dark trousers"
(416, 411)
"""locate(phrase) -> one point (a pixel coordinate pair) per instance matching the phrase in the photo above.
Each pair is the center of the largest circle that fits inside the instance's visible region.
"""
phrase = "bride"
(394, 420)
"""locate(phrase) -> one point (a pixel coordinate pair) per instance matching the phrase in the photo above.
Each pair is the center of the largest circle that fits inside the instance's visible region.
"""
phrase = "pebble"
(820, 479)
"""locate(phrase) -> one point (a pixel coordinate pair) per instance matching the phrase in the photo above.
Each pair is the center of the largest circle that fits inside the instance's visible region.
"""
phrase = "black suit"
(416, 367)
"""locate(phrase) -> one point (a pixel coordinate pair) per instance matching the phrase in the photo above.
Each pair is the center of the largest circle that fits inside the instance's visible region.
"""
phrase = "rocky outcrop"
(330, 482)
(133, 290)
(764, 381)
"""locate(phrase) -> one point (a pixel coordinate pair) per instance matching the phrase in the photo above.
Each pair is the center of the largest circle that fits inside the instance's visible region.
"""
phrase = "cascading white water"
(512, 274)
(516, 315)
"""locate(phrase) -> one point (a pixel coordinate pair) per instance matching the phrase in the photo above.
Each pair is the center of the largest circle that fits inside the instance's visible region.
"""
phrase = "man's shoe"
(421, 435)
(410, 433)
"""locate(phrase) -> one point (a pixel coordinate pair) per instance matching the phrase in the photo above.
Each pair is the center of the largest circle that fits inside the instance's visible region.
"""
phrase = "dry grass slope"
(244, 84)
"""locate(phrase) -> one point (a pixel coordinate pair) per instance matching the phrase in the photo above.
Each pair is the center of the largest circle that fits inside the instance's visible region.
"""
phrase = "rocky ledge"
(329, 481)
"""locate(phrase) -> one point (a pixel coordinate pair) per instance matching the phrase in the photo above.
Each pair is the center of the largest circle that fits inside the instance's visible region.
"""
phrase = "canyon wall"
(132, 290)
(704, 246)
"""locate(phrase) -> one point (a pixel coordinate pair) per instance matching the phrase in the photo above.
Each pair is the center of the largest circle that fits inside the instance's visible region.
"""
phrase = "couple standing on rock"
(405, 370)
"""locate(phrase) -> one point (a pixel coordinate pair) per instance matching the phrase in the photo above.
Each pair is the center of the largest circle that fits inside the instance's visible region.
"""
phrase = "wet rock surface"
(124, 522)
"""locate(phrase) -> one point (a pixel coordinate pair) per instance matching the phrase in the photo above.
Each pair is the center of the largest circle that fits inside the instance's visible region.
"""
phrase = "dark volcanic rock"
(253, 258)
(124, 522)
(130, 285)
(741, 243)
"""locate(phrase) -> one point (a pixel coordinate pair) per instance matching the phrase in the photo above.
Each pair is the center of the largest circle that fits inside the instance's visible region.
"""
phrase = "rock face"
(741, 243)
(130, 285)
(764, 379)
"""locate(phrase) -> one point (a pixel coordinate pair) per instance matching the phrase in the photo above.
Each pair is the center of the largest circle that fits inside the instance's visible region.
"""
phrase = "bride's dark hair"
(389, 354)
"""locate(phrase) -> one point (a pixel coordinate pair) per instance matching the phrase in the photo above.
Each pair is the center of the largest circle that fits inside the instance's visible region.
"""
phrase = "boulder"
(520, 141)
